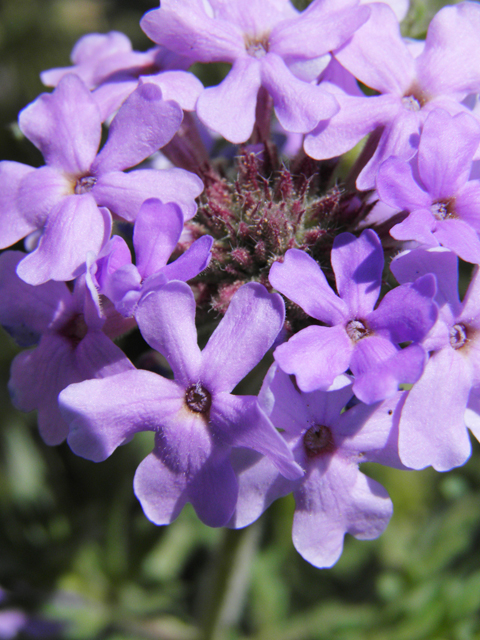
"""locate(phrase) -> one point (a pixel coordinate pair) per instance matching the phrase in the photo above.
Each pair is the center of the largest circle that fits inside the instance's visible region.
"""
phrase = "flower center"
(458, 336)
(356, 330)
(198, 398)
(75, 329)
(414, 99)
(443, 209)
(84, 185)
(411, 103)
(256, 46)
(318, 440)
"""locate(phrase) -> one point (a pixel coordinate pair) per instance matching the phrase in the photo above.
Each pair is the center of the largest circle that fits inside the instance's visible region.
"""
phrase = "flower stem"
(228, 581)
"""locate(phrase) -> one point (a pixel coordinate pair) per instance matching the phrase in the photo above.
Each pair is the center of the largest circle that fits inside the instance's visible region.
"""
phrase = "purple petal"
(144, 124)
(299, 106)
(213, 492)
(37, 377)
(166, 319)
(370, 432)
(398, 188)
(358, 265)
(432, 427)
(259, 484)
(399, 138)
(446, 151)
(105, 413)
(438, 66)
(417, 226)
(377, 55)
(157, 230)
(253, 320)
(77, 226)
(357, 118)
(293, 411)
(316, 356)
(459, 236)
(407, 313)
(470, 310)
(186, 28)
(40, 191)
(192, 262)
(282, 403)
(26, 311)
(181, 86)
(335, 502)
(98, 357)
(409, 266)
(124, 193)
(65, 125)
(14, 226)
(335, 21)
(301, 279)
(377, 380)
(229, 108)
(160, 489)
(111, 95)
(467, 204)
(238, 421)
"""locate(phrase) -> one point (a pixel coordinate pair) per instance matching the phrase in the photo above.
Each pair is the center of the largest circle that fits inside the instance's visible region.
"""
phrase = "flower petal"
(253, 320)
(144, 124)
(301, 279)
(65, 125)
(166, 319)
(229, 108)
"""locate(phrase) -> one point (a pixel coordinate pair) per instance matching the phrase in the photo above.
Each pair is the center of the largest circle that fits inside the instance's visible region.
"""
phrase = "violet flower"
(333, 497)
(356, 336)
(446, 400)
(108, 65)
(62, 199)
(157, 230)
(444, 206)
(410, 86)
(74, 342)
(270, 45)
(196, 418)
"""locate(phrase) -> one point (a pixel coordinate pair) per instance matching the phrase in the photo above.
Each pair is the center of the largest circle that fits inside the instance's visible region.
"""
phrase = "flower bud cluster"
(284, 259)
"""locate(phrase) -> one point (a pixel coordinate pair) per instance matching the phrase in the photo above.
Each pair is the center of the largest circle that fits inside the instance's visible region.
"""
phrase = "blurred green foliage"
(76, 548)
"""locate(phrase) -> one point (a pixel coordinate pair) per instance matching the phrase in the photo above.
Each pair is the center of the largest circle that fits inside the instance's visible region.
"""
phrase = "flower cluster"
(369, 364)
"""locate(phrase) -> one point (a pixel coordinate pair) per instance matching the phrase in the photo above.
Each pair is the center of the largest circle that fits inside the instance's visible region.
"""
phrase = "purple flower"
(269, 45)
(72, 342)
(156, 233)
(446, 399)
(333, 497)
(196, 418)
(443, 75)
(444, 206)
(64, 199)
(356, 336)
(108, 64)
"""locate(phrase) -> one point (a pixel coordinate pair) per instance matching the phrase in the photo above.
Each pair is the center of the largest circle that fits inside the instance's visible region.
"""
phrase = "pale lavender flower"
(66, 198)
(269, 44)
(446, 399)
(196, 418)
(157, 230)
(333, 497)
(434, 188)
(108, 65)
(74, 342)
(443, 75)
(357, 336)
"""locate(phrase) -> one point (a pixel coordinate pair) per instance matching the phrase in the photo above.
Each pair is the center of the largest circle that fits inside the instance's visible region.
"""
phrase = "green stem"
(228, 581)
